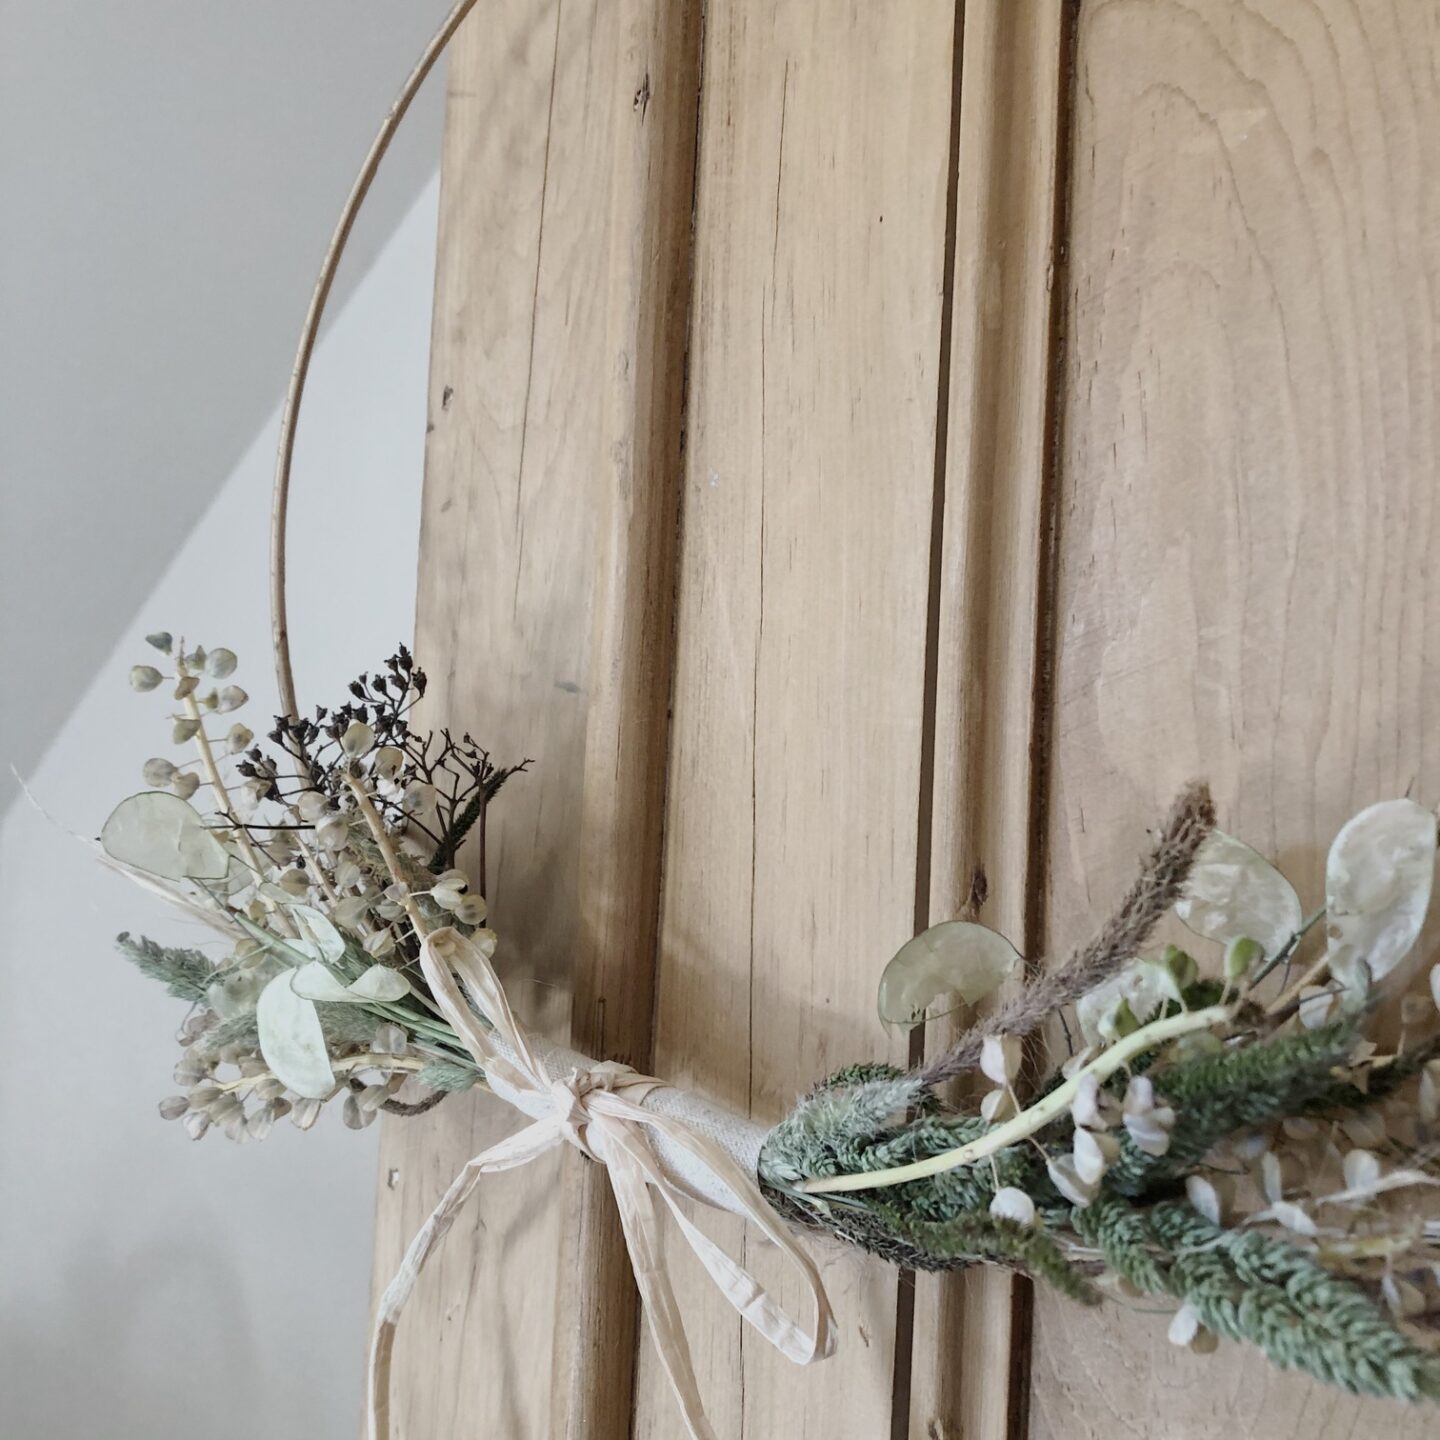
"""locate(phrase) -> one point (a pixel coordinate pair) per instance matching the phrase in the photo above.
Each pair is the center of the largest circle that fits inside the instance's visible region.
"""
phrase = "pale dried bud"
(998, 1105)
(1093, 1154)
(305, 1113)
(333, 833)
(449, 888)
(358, 740)
(184, 686)
(185, 784)
(1000, 1058)
(259, 1125)
(239, 738)
(348, 913)
(1293, 1218)
(379, 944)
(1012, 1204)
(390, 1039)
(294, 882)
(311, 806)
(232, 697)
(220, 662)
(144, 677)
(1187, 1331)
(190, 1069)
(1069, 1183)
(158, 772)
(1316, 1003)
(418, 798)
(1362, 1170)
(162, 640)
(1204, 1198)
(1272, 1177)
(355, 1115)
(387, 762)
(470, 910)
(347, 873)
(1086, 1108)
(174, 1106)
(196, 1123)
(1147, 1123)
(185, 728)
(208, 701)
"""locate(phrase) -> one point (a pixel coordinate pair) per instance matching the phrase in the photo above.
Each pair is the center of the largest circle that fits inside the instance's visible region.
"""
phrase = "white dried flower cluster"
(299, 857)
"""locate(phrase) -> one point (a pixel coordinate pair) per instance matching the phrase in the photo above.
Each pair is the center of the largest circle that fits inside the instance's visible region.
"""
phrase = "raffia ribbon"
(600, 1109)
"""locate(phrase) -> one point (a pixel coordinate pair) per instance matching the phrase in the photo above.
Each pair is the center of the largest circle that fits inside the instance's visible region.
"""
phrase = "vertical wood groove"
(652, 187)
(971, 1341)
(925, 807)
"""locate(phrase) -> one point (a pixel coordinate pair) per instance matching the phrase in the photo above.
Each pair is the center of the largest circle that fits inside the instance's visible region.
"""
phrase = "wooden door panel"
(1247, 491)
(1056, 384)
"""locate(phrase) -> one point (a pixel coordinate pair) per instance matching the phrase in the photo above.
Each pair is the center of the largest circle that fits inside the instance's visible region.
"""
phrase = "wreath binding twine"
(1253, 1146)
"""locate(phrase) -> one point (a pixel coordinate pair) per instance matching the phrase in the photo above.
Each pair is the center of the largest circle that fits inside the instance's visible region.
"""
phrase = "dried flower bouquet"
(1227, 1134)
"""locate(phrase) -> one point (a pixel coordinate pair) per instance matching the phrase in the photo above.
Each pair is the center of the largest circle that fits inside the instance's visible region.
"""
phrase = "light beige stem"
(1039, 1115)
(290, 416)
(371, 816)
(217, 783)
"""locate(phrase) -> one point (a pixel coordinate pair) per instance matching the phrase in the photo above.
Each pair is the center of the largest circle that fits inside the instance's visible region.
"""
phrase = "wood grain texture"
(515, 498)
(970, 1332)
(642, 383)
(795, 751)
(1248, 498)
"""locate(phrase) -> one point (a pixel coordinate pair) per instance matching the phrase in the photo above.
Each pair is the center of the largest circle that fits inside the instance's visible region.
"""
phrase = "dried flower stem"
(341, 1066)
(1161, 879)
(371, 816)
(217, 784)
(1039, 1115)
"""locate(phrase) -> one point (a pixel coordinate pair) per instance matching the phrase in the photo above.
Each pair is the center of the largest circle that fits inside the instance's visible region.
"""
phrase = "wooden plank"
(655, 74)
(528, 393)
(1247, 505)
(791, 837)
(971, 1330)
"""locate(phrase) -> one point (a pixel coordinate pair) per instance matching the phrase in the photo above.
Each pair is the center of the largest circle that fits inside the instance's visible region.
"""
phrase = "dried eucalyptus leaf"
(380, 982)
(316, 981)
(291, 1039)
(163, 835)
(328, 941)
(1377, 890)
(954, 958)
(1235, 893)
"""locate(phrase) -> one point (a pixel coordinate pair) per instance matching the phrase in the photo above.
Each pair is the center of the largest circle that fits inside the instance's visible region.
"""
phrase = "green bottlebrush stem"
(1251, 1287)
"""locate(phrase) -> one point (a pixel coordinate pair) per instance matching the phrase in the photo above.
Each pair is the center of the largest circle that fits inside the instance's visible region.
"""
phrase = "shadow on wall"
(171, 175)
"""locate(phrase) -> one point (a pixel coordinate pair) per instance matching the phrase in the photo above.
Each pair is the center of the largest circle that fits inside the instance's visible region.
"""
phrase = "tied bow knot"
(598, 1107)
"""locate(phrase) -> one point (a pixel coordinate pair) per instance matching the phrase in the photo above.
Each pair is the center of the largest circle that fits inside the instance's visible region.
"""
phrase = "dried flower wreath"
(1253, 1144)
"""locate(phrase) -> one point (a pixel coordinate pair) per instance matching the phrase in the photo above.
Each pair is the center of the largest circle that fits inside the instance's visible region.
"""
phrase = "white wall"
(151, 1287)
(170, 171)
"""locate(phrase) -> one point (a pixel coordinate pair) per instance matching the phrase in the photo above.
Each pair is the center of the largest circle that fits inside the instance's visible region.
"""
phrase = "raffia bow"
(598, 1108)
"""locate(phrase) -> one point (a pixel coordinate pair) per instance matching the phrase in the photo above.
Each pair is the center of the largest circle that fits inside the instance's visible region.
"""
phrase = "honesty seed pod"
(144, 677)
